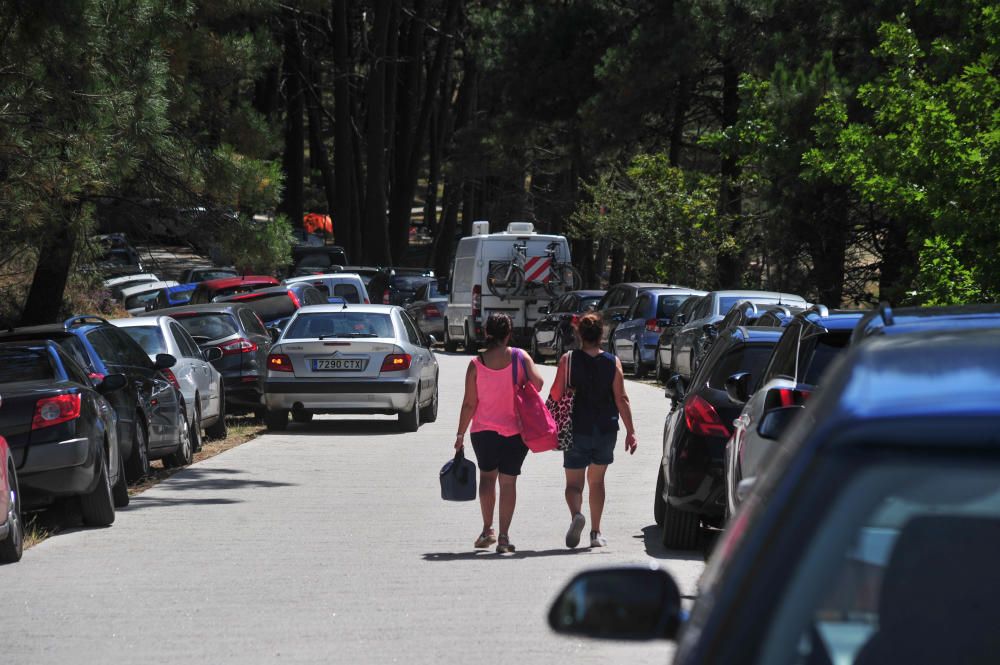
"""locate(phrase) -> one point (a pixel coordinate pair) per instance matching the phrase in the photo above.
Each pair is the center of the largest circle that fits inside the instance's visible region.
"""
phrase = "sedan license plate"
(338, 364)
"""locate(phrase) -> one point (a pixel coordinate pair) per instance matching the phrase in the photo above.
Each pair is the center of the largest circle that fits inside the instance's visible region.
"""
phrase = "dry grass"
(44, 524)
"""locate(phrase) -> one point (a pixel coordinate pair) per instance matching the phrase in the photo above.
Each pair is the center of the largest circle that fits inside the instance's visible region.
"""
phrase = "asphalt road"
(329, 543)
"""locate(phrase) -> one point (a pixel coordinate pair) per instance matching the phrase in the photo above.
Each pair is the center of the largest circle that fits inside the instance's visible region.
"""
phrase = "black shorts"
(494, 452)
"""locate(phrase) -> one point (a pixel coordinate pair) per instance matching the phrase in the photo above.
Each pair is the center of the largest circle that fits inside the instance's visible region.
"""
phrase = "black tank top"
(594, 398)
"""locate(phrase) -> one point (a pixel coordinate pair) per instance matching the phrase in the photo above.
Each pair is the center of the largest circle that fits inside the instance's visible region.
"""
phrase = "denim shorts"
(594, 448)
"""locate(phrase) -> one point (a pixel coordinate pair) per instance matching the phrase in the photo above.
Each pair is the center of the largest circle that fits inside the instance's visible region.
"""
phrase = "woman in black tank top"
(599, 399)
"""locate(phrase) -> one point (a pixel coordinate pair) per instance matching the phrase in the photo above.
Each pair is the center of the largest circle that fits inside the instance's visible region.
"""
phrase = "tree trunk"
(617, 265)
(376, 225)
(344, 209)
(444, 240)
(681, 105)
(730, 263)
(55, 258)
(294, 156)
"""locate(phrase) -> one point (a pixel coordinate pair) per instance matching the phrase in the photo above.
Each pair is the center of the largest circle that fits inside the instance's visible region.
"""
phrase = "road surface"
(329, 544)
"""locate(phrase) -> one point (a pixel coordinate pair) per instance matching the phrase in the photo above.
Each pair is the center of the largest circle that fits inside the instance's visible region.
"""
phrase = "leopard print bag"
(562, 410)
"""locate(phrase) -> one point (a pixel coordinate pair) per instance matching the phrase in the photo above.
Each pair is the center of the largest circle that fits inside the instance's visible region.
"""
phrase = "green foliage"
(256, 245)
(943, 279)
(666, 219)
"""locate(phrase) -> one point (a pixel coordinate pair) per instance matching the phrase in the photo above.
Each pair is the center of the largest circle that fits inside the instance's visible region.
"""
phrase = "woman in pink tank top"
(496, 435)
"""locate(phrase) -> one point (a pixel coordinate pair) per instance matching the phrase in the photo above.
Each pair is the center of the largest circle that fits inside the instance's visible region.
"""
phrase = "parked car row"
(862, 480)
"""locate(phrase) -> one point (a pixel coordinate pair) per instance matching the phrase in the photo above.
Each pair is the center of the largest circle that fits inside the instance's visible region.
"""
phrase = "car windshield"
(314, 261)
(208, 326)
(203, 276)
(588, 302)
(349, 292)
(667, 305)
(138, 300)
(340, 324)
(20, 364)
(410, 283)
(150, 338)
(240, 288)
(900, 536)
(745, 358)
(726, 302)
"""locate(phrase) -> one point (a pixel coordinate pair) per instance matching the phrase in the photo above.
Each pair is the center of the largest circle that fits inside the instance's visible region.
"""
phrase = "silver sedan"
(356, 359)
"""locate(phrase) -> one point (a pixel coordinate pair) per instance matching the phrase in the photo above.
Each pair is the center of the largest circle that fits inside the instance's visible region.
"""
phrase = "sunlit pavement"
(329, 543)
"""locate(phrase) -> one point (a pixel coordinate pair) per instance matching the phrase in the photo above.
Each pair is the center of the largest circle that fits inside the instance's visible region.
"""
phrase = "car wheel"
(184, 454)
(409, 421)
(638, 369)
(533, 350)
(560, 346)
(120, 490)
(470, 346)
(97, 507)
(196, 428)
(659, 504)
(681, 529)
(137, 466)
(12, 546)
(219, 429)
(259, 415)
(450, 345)
(430, 412)
(303, 417)
(276, 420)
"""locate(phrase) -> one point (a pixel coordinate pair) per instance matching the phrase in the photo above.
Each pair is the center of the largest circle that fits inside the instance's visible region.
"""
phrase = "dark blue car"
(634, 339)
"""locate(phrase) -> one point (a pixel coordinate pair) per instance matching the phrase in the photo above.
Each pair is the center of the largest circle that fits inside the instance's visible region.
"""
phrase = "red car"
(11, 528)
(210, 289)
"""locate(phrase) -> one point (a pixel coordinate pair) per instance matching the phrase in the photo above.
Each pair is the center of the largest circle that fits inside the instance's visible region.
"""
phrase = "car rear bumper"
(243, 390)
(696, 481)
(60, 468)
(341, 396)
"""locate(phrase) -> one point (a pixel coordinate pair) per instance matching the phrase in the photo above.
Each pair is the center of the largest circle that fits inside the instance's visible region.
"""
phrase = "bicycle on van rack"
(515, 277)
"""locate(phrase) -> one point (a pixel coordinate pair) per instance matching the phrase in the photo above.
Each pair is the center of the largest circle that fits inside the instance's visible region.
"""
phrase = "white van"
(470, 301)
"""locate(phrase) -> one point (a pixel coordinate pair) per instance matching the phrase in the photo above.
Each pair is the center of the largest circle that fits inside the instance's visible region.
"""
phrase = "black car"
(403, 285)
(278, 302)
(316, 260)
(553, 333)
(664, 345)
(237, 331)
(690, 487)
(61, 430)
(871, 538)
(151, 418)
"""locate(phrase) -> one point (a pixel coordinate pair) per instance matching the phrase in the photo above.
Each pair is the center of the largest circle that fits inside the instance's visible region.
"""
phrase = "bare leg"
(508, 498)
(487, 496)
(595, 478)
(574, 490)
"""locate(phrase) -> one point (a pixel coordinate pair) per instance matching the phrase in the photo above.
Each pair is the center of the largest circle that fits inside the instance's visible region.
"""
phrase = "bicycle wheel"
(505, 280)
(564, 278)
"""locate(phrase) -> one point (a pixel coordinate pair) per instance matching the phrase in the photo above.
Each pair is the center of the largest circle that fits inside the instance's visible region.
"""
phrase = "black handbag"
(458, 479)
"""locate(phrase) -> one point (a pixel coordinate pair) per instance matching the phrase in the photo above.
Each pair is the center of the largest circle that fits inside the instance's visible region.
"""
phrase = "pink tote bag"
(538, 428)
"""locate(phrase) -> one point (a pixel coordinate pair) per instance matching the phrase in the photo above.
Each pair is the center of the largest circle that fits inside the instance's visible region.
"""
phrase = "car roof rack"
(82, 320)
(819, 309)
(884, 311)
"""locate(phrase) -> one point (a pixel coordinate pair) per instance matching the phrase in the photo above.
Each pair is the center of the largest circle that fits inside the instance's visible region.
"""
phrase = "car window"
(105, 347)
(421, 293)
(130, 351)
(251, 322)
(312, 296)
(817, 352)
(150, 338)
(349, 292)
(785, 354)
(73, 369)
(666, 306)
(702, 309)
(21, 364)
(189, 348)
(899, 536)
(411, 330)
(344, 323)
(639, 307)
(742, 358)
(75, 349)
(617, 298)
(141, 299)
(208, 326)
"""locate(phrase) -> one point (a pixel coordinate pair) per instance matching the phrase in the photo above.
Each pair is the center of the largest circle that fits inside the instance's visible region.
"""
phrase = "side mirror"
(776, 421)
(211, 354)
(111, 383)
(634, 603)
(738, 387)
(275, 334)
(164, 361)
(674, 388)
(431, 341)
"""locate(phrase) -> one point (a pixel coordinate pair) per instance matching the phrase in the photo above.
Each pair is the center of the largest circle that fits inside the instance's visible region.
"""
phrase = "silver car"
(351, 359)
(193, 375)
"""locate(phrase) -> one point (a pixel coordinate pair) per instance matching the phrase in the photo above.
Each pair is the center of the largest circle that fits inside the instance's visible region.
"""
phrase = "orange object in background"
(317, 224)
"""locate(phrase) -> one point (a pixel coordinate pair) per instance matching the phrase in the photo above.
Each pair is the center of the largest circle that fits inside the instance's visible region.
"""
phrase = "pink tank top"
(495, 409)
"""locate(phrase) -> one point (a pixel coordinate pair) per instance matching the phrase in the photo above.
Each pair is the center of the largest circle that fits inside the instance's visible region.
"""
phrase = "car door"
(625, 335)
(255, 331)
(200, 371)
(683, 343)
(611, 309)
(163, 402)
(421, 355)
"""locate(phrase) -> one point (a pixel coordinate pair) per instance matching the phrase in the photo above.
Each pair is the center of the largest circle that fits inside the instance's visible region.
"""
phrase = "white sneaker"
(597, 539)
(575, 529)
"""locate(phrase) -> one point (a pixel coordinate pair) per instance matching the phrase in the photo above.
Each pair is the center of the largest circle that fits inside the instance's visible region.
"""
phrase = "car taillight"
(55, 410)
(279, 362)
(171, 378)
(777, 398)
(477, 301)
(702, 419)
(431, 311)
(237, 346)
(295, 299)
(395, 362)
(385, 297)
(96, 377)
(653, 325)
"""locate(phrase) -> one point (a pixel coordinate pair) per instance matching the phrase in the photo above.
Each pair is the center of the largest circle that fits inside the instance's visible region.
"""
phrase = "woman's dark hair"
(498, 327)
(590, 328)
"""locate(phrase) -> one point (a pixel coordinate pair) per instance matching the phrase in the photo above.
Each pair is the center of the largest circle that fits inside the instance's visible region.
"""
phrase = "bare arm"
(556, 391)
(624, 407)
(532, 372)
(469, 403)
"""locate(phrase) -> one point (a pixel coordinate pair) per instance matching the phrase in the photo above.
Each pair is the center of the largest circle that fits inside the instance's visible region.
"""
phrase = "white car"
(135, 298)
(117, 284)
(193, 375)
(351, 359)
(346, 285)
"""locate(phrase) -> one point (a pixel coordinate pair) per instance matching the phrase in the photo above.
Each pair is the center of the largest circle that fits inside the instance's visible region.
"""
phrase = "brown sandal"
(485, 539)
(504, 546)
